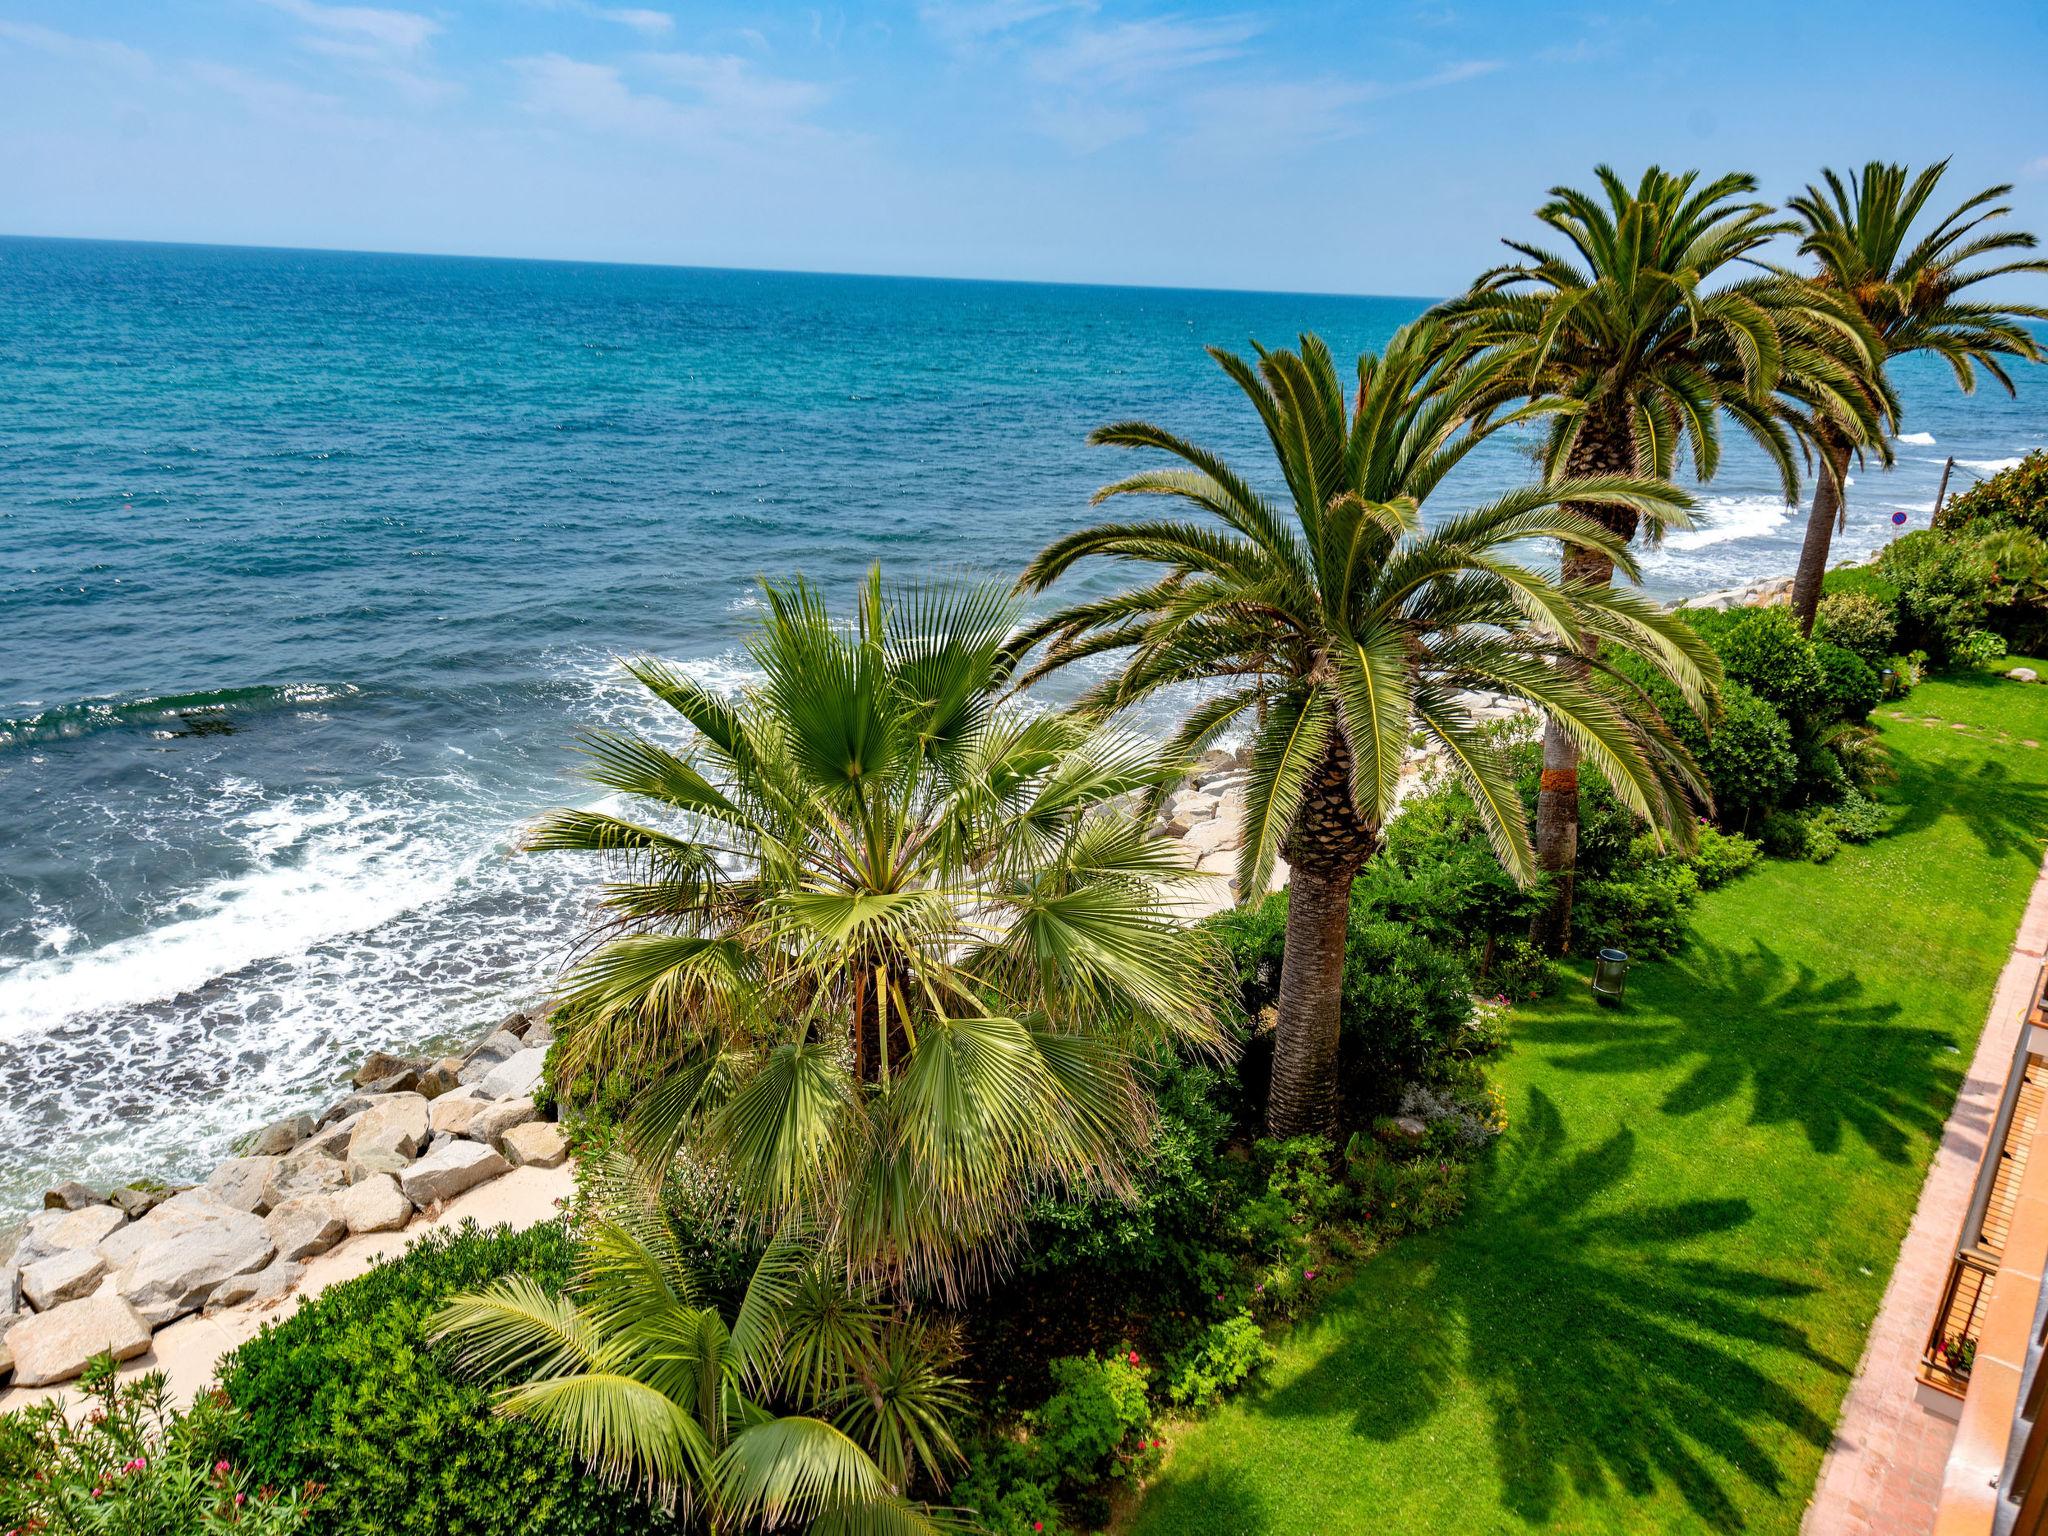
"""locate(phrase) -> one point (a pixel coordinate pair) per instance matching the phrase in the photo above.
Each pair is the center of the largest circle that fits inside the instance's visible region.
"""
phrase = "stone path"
(1882, 1474)
(187, 1350)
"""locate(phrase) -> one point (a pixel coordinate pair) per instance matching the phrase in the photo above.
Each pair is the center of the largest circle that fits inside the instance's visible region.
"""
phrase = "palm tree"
(1910, 297)
(811, 1405)
(1339, 624)
(889, 954)
(1627, 332)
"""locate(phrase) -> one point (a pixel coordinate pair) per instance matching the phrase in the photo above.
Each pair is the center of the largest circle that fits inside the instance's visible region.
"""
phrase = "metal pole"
(1942, 495)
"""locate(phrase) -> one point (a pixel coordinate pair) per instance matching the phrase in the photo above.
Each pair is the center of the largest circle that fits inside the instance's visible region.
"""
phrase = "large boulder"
(239, 1182)
(1212, 836)
(280, 1136)
(444, 1174)
(51, 1232)
(56, 1345)
(10, 1289)
(370, 1164)
(304, 1174)
(536, 1144)
(308, 1225)
(184, 1212)
(452, 1112)
(376, 1204)
(482, 1058)
(381, 1064)
(540, 1032)
(170, 1278)
(52, 1282)
(440, 1076)
(266, 1284)
(331, 1140)
(141, 1197)
(405, 1080)
(70, 1196)
(515, 1076)
(394, 1125)
(494, 1120)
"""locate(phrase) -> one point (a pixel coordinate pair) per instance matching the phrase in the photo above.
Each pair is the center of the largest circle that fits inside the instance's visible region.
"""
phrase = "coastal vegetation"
(985, 1117)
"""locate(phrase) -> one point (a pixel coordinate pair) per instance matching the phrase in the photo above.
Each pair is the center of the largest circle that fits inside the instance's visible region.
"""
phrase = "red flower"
(1134, 1357)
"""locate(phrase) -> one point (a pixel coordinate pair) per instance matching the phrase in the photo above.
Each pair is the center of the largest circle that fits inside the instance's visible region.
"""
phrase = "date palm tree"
(1625, 327)
(1339, 624)
(888, 953)
(811, 1406)
(1911, 296)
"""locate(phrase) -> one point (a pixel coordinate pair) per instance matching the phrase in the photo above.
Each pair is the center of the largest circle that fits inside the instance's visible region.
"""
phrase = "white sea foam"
(1917, 439)
(1987, 466)
(1724, 519)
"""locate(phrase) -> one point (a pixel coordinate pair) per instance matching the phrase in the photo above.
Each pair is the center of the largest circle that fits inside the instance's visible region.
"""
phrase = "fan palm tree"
(811, 1406)
(1340, 625)
(1910, 295)
(889, 954)
(1625, 329)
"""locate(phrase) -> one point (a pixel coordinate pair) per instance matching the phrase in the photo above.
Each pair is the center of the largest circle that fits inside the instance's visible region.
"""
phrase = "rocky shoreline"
(94, 1272)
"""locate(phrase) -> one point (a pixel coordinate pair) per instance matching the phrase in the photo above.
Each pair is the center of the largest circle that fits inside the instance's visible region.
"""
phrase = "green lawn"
(1648, 1317)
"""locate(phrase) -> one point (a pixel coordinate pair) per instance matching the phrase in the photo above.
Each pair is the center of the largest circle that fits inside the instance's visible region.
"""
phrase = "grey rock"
(2024, 675)
(481, 1058)
(447, 1173)
(536, 1144)
(370, 1164)
(522, 1022)
(170, 1278)
(70, 1196)
(405, 1080)
(56, 1345)
(303, 1174)
(10, 1290)
(239, 1182)
(380, 1064)
(70, 1275)
(267, 1284)
(280, 1136)
(515, 1076)
(442, 1076)
(376, 1204)
(452, 1112)
(10, 1240)
(51, 1232)
(496, 1119)
(540, 1032)
(308, 1225)
(141, 1197)
(331, 1140)
(186, 1211)
(397, 1124)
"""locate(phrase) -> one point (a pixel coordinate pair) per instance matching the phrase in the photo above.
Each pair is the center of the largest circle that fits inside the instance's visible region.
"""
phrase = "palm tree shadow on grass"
(1610, 1361)
(1810, 1052)
(2008, 815)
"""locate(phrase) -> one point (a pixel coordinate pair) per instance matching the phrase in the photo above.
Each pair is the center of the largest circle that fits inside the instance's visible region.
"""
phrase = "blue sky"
(1375, 148)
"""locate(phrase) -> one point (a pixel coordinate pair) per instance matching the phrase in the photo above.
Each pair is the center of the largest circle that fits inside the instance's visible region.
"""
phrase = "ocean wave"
(1988, 466)
(211, 710)
(1724, 519)
(1917, 439)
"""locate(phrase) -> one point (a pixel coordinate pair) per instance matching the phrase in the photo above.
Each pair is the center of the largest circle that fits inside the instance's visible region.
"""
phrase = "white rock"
(266, 1284)
(377, 1204)
(304, 1174)
(536, 1144)
(370, 1164)
(485, 1056)
(496, 1119)
(1191, 805)
(452, 1112)
(52, 1282)
(2024, 675)
(56, 1345)
(397, 1124)
(515, 1076)
(539, 1032)
(1213, 835)
(50, 1233)
(186, 1211)
(168, 1279)
(308, 1225)
(239, 1182)
(280, 1136)
(447, 1173)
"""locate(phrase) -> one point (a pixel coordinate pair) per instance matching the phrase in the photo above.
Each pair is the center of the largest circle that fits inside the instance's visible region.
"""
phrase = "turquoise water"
(312, 564)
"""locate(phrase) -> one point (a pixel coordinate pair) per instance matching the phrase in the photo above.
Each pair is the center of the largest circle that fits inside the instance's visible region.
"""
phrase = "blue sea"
(312, 565)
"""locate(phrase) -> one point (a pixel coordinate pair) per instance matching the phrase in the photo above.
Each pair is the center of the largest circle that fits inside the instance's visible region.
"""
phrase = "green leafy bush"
(1643, 912)
(1008, 1497)
(1412, 1192)
(1944, 590)
(1406, 1002)
(1094, 1424)
(133, 1464)
(1800, 835)
(1747, 759)
(1762, 649)
(1854, 818)
(1859, 622)
(2015, 497)
(1720, 856)
(347, 1391)
(1230, 1353)
(1849, 685)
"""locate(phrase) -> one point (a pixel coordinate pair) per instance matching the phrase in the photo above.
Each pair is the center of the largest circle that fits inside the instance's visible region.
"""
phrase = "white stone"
(280, 1136)
(1191, 805)
(2024, 675)
(377, 1204)
(496, 1119)
(50, 1233)
(397, 1124)
(186, 1211)
(447, 1173)
(56, 1345)
(453, 1111)
(371, 1164)
(52, 1282)
(266, 1284)
(305, 1226)
(1213, 835)
(304, 1174)
(239, 1182)
(536, 1144)
(484, 1057)
(515, 1076)
(168, 1279)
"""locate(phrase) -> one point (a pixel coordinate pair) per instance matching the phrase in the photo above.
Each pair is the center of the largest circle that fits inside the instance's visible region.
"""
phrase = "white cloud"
(87, 50)
(730, 83)
(648, 23)
(372, 27)
(262, 95)
(718, 99)
(1132, 53)
(961, 23)
(1250, 119)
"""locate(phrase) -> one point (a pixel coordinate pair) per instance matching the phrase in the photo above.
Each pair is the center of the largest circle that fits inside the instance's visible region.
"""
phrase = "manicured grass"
(1648, 1316)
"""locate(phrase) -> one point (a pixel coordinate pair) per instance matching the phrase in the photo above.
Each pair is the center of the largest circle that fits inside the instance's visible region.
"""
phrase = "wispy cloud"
(646, 22)
(963, 23)
(364, 26)
(1244, 120)
(1132, 53)
(100, 52)
(709, 99)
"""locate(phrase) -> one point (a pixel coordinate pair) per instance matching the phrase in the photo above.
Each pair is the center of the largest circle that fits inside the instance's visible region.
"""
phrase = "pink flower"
(136, 1465)
(220, 1469)
(1038, 1525)
(1134, 1357)
(241, 1498)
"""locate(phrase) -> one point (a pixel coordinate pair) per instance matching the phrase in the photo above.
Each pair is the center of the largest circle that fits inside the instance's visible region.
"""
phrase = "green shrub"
(1762, 649)
(2015, 497)
(1977, 647)
(1252, 938)
(135, 1465)
(1223, 1359)
(1858, 622)
(1944, 590)
(1643, 912)
(1720, 856)
(1093, 1425)
(1748, 758)
(1413, 1193)
(1406, 1001)
(1800, 835)
(1849, 685)
(1007, 1497)
(1520, 969)
(1855, 818)
(347, 1391)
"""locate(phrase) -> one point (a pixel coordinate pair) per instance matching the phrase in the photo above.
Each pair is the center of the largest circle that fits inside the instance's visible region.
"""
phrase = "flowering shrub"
(135, 1465)
(1097, 1422)
(1223, 1359)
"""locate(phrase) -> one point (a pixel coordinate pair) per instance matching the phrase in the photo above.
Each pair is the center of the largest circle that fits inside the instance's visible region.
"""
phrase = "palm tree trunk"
(1324, 849)
(1605, 446)
(1829, 495)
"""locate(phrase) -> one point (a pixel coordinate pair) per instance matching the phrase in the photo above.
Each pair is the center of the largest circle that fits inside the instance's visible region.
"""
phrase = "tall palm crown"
(1639, 327)
(1341, 624)
(1908, 288)
(889, 953)
(811, 1407)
